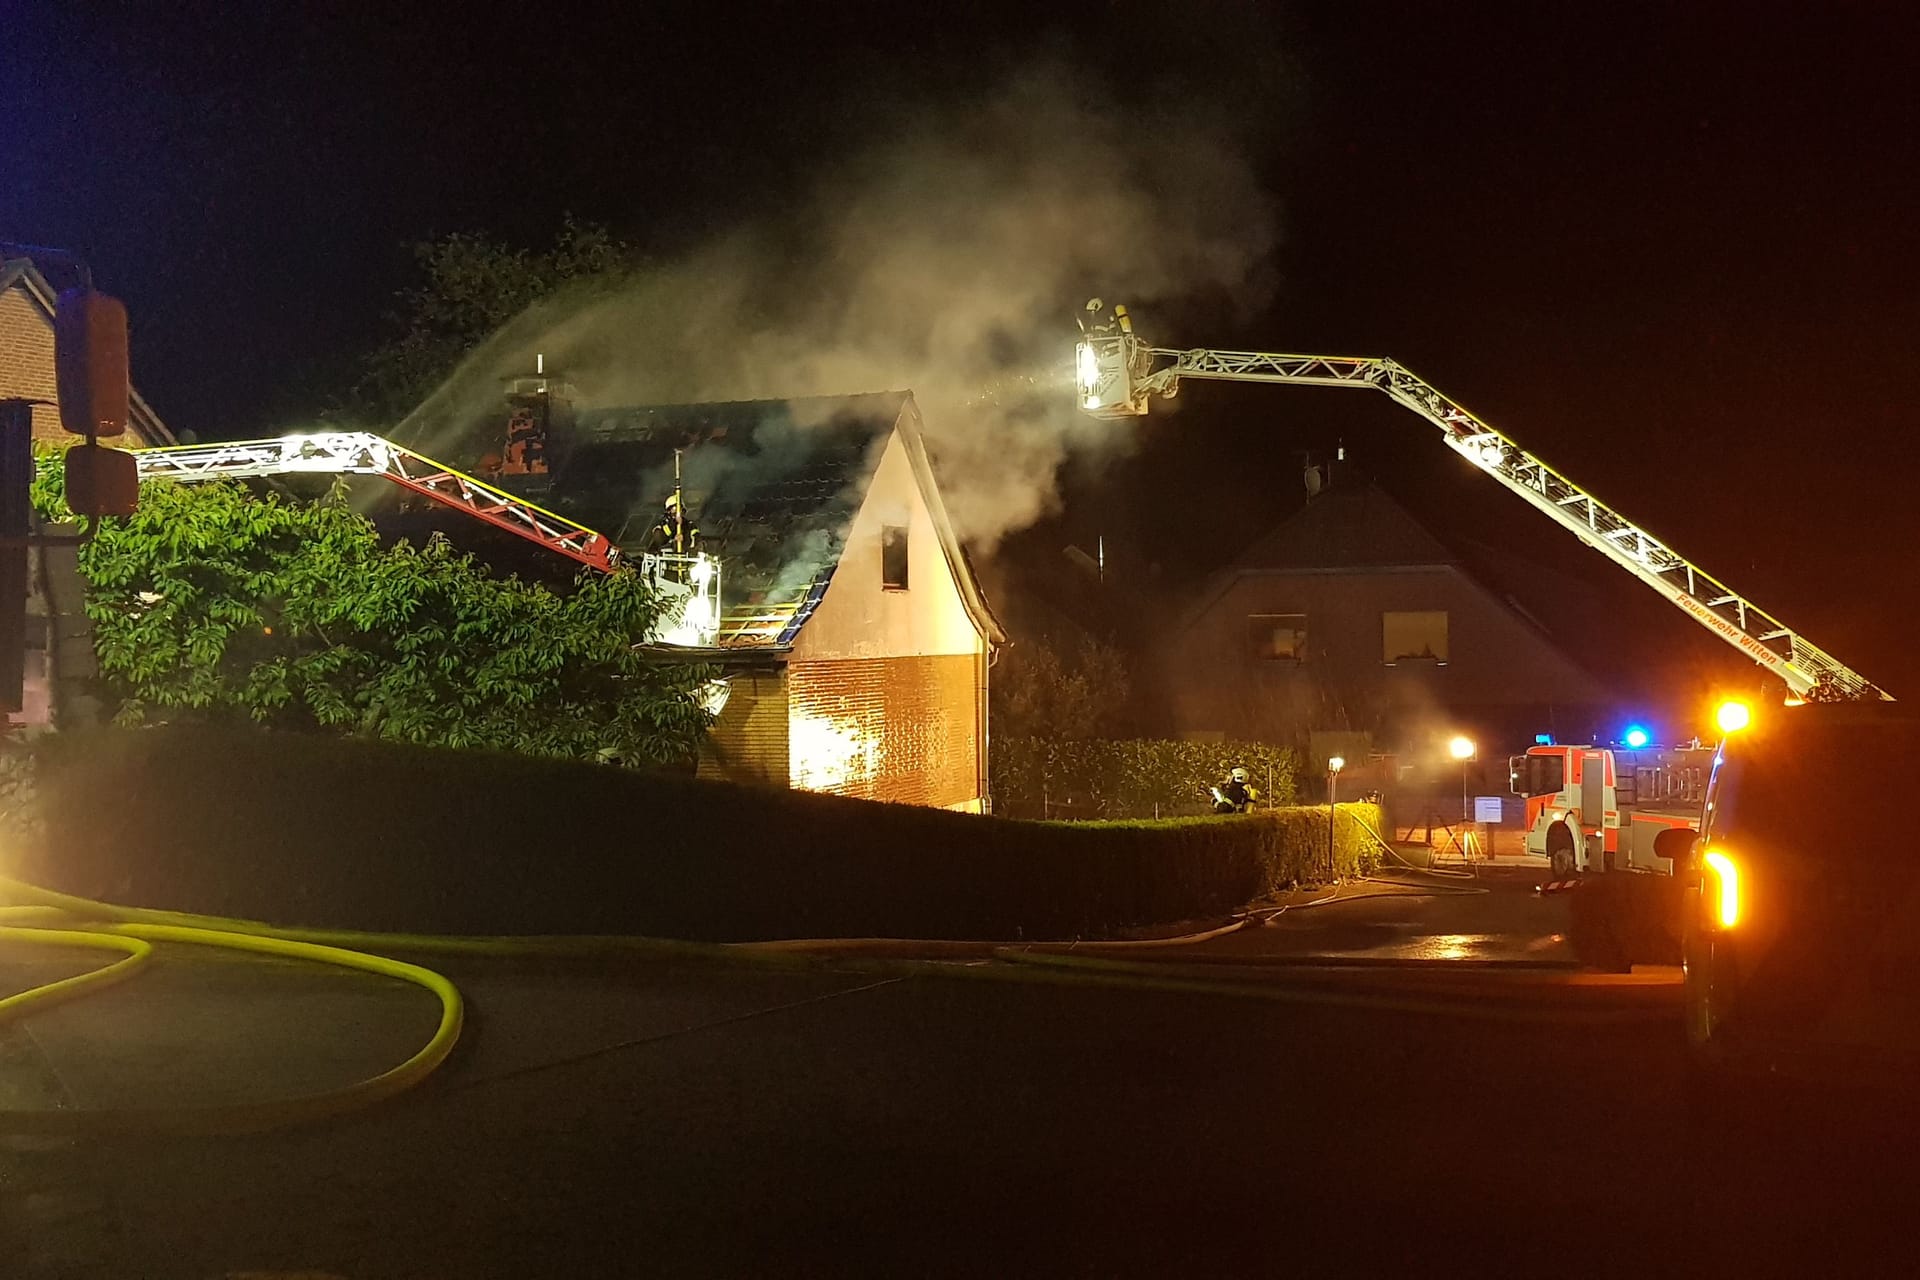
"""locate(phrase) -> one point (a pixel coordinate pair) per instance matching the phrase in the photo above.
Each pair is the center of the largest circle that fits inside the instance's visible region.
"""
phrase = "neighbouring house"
(26, 360)
(853, 631)
(59, 645)
(1352, 618)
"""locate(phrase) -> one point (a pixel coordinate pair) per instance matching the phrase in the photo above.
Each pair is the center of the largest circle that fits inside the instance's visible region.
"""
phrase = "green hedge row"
(1132, 778)
(346, 833)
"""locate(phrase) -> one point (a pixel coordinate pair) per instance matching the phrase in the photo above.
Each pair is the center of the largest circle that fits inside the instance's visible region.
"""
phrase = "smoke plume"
(948, 259)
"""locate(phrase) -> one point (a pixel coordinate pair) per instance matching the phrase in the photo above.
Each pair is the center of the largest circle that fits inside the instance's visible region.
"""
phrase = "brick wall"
(748, 742)
(905, 730)
(26, 360)
(26, 372)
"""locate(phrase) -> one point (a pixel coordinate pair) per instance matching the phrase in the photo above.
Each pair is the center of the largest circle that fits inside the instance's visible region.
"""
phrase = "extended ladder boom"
(364, 454)
(690, 582)
(1118, 375)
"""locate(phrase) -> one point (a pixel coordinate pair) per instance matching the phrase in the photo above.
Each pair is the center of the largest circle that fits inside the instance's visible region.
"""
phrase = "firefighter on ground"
(674, 533)
(1237, 794)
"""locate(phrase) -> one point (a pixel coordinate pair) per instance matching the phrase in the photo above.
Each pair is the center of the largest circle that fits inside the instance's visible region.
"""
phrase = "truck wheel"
(1560, 855)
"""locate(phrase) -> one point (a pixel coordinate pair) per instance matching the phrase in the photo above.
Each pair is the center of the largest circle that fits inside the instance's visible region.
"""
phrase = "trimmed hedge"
(1129, 778)
(347, 833)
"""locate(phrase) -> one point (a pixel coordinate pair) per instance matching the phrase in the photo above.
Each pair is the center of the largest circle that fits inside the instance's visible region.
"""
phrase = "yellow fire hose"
(45, 917)
(53, 919)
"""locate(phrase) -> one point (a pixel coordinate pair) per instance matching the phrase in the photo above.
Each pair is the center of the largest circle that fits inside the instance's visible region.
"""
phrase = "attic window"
(1277, 637)
(893, 557)
(1414, 637)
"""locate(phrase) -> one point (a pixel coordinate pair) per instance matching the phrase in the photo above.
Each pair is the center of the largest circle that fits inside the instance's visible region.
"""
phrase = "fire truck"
(1601, 808)
(1589, 808)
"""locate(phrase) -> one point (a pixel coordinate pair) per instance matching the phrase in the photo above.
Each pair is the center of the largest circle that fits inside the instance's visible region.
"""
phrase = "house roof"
(1359, 528)
(775, 484)
(21, 272)
(1347, 528)
(1353, 529)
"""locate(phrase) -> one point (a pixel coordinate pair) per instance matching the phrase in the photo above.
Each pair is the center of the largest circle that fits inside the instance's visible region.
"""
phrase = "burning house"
(851, 628)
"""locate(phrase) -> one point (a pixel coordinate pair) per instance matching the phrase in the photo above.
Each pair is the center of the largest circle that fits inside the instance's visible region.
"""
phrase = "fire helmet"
(1240, 774)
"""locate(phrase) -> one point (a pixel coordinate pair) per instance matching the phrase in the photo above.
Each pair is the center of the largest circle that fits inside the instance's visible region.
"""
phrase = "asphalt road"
(688, 1119)
(1495, 917)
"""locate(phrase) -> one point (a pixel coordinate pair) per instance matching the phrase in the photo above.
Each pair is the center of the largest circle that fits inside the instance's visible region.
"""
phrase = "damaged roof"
(773, 486)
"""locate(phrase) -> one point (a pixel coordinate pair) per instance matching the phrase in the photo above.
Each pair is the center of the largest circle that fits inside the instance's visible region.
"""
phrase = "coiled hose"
(45, 918)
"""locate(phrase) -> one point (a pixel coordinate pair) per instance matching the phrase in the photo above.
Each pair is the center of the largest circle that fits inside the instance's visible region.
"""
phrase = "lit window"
(893, 557)
(1414, 637)
(1277, 637)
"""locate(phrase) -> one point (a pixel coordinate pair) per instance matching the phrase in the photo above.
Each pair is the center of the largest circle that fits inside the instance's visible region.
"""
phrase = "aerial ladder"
(1119, 375)
(688, 583)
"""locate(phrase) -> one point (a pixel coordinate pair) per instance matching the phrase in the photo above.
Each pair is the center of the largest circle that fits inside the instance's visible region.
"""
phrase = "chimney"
(539, 426)
(1322, 473)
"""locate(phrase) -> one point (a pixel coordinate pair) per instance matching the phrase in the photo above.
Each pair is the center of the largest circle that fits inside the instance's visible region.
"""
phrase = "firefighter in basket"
(675, 532)
(1237, 794)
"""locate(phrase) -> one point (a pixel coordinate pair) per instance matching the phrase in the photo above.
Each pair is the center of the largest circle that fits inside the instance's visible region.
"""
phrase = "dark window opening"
(1277, 637)
(893, 557)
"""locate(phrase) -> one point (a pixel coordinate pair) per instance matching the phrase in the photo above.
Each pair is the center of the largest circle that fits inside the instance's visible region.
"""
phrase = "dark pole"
(16, 508)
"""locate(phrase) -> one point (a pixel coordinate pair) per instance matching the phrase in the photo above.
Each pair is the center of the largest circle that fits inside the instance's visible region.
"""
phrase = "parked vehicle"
(1602, 808)
(1802, 902)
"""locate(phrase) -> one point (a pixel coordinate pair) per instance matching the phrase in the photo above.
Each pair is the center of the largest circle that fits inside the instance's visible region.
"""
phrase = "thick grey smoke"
(948, 259)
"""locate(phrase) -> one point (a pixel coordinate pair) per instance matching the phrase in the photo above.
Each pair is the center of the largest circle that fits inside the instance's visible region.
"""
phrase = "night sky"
(1672, 248)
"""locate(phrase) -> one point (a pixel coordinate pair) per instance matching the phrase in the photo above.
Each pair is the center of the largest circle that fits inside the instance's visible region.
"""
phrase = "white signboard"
(1486, 808)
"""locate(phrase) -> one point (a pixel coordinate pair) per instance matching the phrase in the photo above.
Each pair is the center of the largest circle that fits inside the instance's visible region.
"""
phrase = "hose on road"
(44, 918)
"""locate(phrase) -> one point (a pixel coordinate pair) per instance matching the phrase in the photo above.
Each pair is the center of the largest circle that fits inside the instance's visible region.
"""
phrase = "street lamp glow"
(1733, 716)
(1335, 764)
(1460, 747)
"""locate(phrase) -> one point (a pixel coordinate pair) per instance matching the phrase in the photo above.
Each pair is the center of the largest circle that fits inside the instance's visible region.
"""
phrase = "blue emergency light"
(1635, 736)
(1542, 739)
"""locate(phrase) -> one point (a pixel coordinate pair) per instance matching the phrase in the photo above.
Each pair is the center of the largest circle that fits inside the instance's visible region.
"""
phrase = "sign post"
(90, 377)
(16, 511)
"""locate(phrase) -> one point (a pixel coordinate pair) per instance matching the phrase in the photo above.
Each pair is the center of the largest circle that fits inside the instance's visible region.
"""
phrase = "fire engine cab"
(1600, 808)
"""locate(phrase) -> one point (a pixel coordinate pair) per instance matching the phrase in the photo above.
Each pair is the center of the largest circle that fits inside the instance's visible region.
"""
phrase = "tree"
(471, 286)
(214, 603)
(1038, 693)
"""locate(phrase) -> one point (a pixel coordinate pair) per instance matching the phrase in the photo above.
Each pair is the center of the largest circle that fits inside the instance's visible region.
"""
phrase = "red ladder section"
(363, 453)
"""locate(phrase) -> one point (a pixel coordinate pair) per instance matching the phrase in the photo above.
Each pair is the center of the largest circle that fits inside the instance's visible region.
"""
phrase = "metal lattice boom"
(689, 584)
(365, 454)
(1809, 671)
